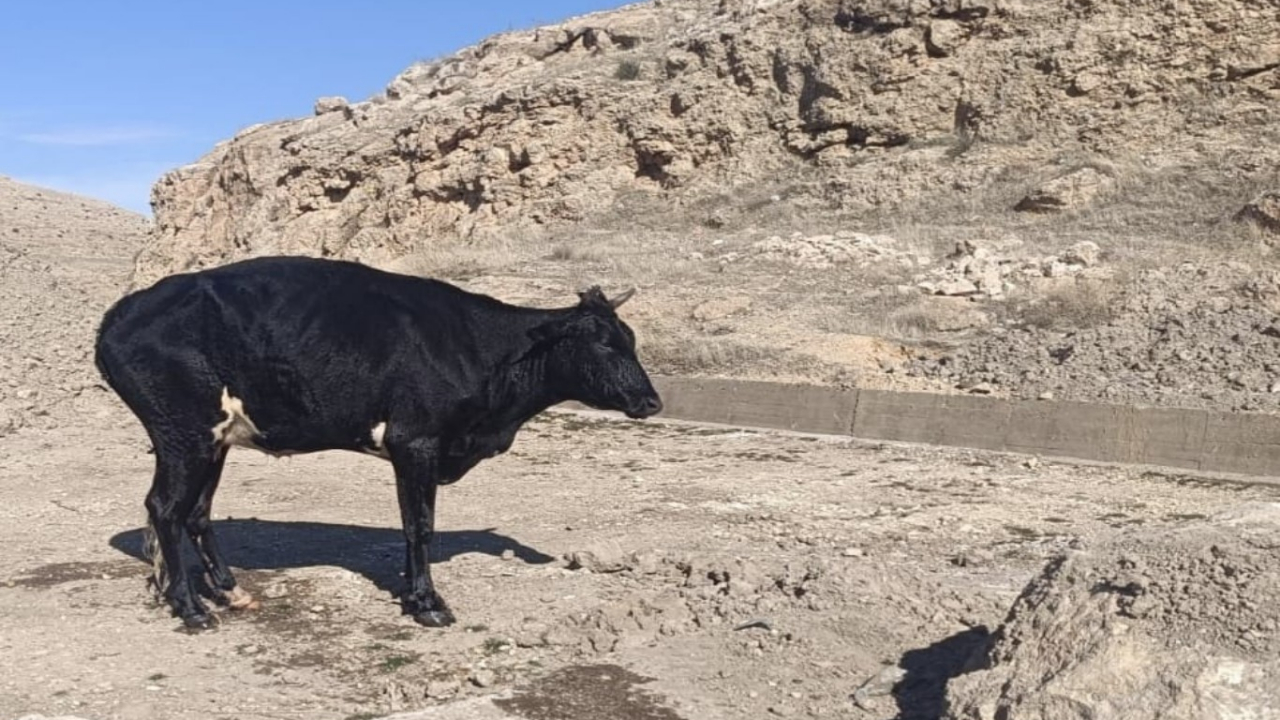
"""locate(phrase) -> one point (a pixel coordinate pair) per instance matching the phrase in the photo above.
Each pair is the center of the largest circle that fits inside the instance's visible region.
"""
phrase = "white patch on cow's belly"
(376, 434)
(238, 428)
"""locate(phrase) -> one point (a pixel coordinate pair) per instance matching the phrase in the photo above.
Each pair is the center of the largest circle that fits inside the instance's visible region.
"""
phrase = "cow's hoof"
(434, 618)
(198, 623)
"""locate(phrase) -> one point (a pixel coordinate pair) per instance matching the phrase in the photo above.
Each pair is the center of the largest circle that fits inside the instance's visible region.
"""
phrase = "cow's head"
(591, 358)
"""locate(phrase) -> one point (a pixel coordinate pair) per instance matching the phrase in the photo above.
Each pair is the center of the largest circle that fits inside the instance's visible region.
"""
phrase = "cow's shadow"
(376, 553)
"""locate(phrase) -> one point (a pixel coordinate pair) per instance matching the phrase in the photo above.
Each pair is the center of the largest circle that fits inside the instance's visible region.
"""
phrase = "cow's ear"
(593, 297)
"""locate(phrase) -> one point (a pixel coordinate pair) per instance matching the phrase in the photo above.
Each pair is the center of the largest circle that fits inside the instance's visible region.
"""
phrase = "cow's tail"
(159, 580)
(99, 356)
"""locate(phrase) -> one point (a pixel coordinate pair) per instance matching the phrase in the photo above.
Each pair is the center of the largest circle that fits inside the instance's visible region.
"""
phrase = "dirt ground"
(846, 556)
(602, 568)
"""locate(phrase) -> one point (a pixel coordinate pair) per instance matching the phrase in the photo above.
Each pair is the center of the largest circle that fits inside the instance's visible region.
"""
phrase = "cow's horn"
(619, 299)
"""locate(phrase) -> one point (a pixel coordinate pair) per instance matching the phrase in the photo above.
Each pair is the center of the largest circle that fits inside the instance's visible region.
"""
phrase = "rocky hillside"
(63, 260)
(829, 106)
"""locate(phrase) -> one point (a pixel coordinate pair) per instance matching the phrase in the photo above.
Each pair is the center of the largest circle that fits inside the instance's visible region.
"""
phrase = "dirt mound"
(63, 260)
(685, 594)
(1192, 336)
(850, 105)
(1166, 624)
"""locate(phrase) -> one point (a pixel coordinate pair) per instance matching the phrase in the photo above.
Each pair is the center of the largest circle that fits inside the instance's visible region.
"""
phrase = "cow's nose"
(651, 405)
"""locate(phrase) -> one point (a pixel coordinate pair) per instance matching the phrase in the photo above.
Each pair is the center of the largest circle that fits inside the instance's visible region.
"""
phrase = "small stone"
(646, 563)
(603, 557)
(1031, 463)
(956, 286)
(853, 552)
(989, 280)
(1055, 268)
(982, 388)
(1086, 81)
(1046, 395)
(483, 678)
(333, 103)
(1219, 304)
(441, 689)
(879, 685)
(942, 37)
(1084, 253)
(275, 590)
(508, 554)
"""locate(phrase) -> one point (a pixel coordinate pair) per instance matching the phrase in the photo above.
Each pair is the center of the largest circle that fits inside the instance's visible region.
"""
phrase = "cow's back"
(313, 349)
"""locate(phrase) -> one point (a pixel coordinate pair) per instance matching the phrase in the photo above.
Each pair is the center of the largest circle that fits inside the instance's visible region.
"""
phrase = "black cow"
(296, 355)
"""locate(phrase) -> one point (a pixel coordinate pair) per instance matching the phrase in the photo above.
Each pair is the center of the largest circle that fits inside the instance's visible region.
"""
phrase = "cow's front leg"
(416, 464)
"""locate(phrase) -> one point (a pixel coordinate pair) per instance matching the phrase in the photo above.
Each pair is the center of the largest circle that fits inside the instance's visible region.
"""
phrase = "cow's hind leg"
(200, 529)
(182, 470)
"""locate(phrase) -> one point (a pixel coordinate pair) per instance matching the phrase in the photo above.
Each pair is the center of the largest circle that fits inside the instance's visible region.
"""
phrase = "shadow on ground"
(375, 553)
(921, 694)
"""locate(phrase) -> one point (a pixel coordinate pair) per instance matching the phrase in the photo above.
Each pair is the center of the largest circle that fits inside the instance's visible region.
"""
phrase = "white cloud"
(99, 136)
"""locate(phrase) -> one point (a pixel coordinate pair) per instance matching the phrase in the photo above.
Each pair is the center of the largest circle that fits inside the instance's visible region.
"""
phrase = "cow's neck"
(516, 393)
(519, 388)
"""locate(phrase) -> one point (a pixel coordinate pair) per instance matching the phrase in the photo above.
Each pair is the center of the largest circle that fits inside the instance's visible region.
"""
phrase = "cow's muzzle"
(645, 407)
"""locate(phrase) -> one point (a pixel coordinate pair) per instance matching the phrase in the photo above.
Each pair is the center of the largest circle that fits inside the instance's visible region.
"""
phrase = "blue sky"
(99, 97)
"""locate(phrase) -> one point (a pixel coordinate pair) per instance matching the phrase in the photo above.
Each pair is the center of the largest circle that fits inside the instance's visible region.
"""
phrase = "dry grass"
(1083, 304)
(460, 261)
(671, 252)
(694, 356)
(918, 322)
(1152, 216)
(564, 252)
(690, 355)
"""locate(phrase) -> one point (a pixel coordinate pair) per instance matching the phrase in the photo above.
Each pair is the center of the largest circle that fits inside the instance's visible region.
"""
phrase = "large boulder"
(1157, 624)
(1073, 191)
